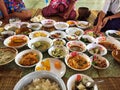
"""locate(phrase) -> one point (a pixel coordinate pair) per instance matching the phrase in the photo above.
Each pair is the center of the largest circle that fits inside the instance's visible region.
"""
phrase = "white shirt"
(112, 5)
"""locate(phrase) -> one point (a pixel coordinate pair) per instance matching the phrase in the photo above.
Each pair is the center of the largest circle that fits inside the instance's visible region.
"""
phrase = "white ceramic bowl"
(40, 33)
(6, 34)
(41, 74)
(101, 50)
(58, 51)
(59, 42)
(22, 37)
(10, 26)
(74, 31)
(100, 61)
(48, 22)
(61, 25)
(21, 54)
(83, 24)
(71, 81)
(73, 54)
(24, 23)
(57, 34)
(78, 46)
(58, 71)
(35, 26)
(46, 39)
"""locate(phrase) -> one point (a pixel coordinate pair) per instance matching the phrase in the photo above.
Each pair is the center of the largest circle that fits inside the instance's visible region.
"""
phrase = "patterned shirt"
(55, 3)
(14, 5)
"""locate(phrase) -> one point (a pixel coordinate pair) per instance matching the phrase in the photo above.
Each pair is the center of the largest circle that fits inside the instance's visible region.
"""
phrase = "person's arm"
(70, 8)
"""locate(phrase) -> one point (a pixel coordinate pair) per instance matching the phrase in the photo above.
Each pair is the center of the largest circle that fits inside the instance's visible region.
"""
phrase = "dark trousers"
(113, 24)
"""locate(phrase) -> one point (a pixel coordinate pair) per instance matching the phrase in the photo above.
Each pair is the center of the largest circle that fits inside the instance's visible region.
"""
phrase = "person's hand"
(6, 19)
(97, 28)
(66, 15)
(105, 20)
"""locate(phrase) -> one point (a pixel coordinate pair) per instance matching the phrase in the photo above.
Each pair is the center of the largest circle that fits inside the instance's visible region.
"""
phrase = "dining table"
(11, 73)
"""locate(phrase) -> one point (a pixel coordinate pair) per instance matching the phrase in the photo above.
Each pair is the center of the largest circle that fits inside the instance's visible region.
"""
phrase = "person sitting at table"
(62, 8)
(13, 8)
(109, 17)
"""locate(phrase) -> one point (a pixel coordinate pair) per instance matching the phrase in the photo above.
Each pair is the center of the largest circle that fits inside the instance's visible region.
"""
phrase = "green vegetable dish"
(85, 40)
(41, 45)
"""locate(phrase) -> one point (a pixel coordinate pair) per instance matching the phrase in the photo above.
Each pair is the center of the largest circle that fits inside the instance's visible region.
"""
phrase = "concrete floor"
(91, 4)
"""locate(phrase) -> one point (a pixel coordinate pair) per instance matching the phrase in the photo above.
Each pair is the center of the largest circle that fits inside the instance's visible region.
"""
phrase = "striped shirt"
(112, 6)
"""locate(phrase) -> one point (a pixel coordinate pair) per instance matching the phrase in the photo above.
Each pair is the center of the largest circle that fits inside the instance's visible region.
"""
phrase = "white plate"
(100, 58)
(21, 54)
(71, 81)
(56, 50)
(103, 50)
(39, 34)
(83, 24)
(108, 32)
(41, 74)
(8, 40)
(61, 25)
(73, 54)
(60, 72)
(39, 26)
(48, 22)
(76, 43)
(32, 41)
(74, 30)
(57, 34)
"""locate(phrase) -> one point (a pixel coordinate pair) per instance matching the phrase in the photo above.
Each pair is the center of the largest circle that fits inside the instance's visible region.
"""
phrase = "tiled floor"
(92, 4)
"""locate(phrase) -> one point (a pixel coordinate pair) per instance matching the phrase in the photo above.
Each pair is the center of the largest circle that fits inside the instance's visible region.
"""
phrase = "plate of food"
(37, 18)
(71, 23)
(40, 33)
(81, 82)
(7, 55)
(35, 26)
(24, 24)
(16, 41)
(28, 58)
(99, 62)
(96, 49)
(46, 80)
(93, 34)
(41, 43)
(71, 37)
(57, 34)
(83, 24)
(116, 55)
(58, 51)
(48, 22)
(52, 65)
(74, 31)
(59, 42)
(11, 27)
(61, 25)
(73, 58)
(78, 46)
(87, 39)
(113, 33)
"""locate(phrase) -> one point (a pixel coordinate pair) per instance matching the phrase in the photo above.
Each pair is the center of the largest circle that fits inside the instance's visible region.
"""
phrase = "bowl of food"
(41, 43)
(58, 51)
(37, 18)
(57, 34)
(16, 41)
(74, 31)
(71, 37)
(73, 58)
(6, 34)
(116, 55)
(11, 27)
(81, 82)
(78, 46)
(48, 22)
(61, 25)
(40, 33)
(52, 65)
(46, 80)
(96, 49)
(35, 26)
(71, 22)
(24, 24)
(7, 55)
(28, 58)
(83, 24)
(59, 42)
(87, 39)
(99, 62)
